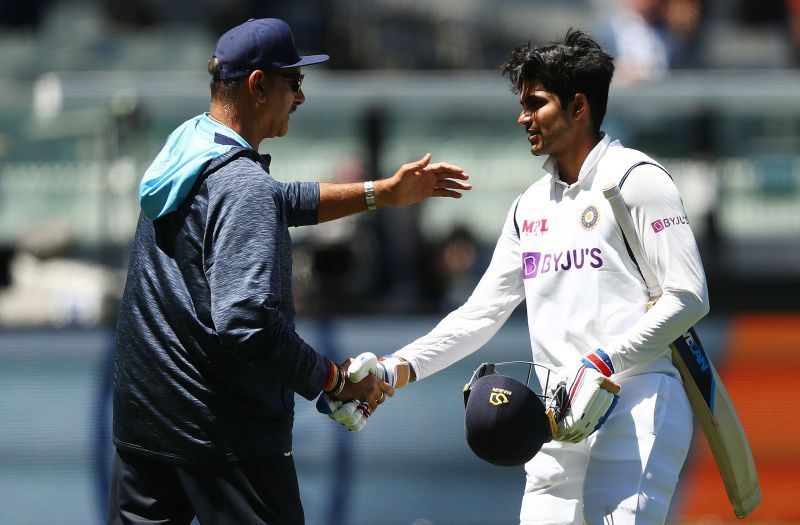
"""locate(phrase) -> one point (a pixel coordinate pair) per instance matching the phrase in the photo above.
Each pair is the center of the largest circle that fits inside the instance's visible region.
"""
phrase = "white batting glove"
(394, 371)
(352, 414)
(591, 397)
(360, 366)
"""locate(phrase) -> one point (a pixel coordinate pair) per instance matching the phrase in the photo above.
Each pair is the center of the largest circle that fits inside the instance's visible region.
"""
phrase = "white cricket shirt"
(561, 250)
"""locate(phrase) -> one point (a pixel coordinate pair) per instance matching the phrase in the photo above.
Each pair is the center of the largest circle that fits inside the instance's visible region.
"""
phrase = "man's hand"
(413, 182)
(353, 413)
(363, 382)
(417, 181)
(590, 398)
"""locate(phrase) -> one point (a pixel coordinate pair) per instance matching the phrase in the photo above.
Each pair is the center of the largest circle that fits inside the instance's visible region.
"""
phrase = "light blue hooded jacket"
(188, 149)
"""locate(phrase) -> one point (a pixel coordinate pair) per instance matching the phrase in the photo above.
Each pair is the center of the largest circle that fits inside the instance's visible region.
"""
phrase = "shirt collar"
(588, 165)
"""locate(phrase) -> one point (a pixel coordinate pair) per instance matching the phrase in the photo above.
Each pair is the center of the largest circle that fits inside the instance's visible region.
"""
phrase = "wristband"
(600, 361)
(339, 385)
(369, 195)
(338, 382)
(333, 373)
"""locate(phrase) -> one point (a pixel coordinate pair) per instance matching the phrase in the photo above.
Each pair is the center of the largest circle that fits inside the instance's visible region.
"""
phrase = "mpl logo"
(660, 224)
(534, 227)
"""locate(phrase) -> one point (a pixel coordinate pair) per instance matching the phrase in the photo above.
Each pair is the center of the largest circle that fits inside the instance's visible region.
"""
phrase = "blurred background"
(90, 89)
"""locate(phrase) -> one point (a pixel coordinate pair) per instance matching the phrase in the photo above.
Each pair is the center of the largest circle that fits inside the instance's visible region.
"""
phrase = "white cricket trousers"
(623, 474)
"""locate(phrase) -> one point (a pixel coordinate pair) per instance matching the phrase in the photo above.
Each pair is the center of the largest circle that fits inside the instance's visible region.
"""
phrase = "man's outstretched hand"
(417, 181)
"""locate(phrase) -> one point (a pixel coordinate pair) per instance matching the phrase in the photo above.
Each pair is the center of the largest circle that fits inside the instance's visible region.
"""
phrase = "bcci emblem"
(589, 218)
(499, 396)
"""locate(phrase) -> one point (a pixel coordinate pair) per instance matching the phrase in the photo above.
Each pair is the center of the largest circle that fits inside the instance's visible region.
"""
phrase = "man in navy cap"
(207, 358)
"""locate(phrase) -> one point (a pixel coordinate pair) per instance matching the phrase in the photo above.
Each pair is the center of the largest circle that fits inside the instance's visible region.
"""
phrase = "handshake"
(363, 385)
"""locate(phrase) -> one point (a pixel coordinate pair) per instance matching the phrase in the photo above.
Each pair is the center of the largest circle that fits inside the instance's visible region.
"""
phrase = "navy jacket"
(207, 358)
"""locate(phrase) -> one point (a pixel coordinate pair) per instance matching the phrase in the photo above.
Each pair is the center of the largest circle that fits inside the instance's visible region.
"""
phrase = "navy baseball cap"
(505, 421)
(266, 43)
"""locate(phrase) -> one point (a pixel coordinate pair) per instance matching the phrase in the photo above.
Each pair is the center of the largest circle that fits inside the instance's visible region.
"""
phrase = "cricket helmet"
(506, 423)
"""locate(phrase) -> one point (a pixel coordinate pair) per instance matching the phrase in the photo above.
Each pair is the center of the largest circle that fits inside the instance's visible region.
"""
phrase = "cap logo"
(499, 396)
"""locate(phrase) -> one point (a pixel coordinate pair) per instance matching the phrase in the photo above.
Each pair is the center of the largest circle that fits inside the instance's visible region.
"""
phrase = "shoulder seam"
(516, 207)
(641, 163)
(621, 182)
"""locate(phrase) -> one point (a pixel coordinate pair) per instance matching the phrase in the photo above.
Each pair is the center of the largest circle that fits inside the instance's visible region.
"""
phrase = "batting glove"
(352, 414)
(590, 398)
(600, 361)
(394, 370)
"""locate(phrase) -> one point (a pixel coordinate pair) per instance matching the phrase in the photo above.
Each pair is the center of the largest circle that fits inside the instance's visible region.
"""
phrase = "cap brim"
(308, 60)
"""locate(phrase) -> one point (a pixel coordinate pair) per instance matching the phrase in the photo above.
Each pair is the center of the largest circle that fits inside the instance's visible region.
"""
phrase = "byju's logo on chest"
(537, 263)
(530, 264)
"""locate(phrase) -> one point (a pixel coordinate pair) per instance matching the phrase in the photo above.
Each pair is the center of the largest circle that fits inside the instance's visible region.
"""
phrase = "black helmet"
(506, 423)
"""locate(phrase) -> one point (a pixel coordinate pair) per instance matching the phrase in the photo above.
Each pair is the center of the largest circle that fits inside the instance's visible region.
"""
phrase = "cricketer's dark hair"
(576, 65)
(222, 90)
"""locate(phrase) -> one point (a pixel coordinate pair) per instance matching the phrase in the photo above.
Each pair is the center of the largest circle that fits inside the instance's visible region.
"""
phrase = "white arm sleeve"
(472, 325)
(671, 251)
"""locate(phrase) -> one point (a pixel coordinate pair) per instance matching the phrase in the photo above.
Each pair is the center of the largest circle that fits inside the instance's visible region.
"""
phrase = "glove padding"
(394, 371)
(352, 414)
(590, 398)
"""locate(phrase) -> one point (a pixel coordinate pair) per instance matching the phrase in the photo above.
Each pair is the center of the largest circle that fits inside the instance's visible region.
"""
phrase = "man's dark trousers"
(259, 492)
